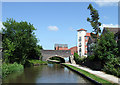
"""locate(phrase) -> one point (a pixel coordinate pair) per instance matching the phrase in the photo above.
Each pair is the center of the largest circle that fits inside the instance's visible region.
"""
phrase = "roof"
(81, 29)
(73, 47)
(88, 34)
(114, 30)
(61, 45)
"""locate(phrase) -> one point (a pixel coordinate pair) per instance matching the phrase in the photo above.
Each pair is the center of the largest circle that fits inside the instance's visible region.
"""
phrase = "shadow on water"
(51, 73)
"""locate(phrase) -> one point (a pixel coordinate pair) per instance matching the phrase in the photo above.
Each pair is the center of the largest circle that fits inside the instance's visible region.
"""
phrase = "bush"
(92, 63)
(113, 67)
(76, 58)
(10, 68)
(105, 50)
(79, 59)
(28, 63)
(91, 57)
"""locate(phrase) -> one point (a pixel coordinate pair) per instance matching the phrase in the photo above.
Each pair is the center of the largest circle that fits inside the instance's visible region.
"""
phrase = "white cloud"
(107, 2)
(53, 28)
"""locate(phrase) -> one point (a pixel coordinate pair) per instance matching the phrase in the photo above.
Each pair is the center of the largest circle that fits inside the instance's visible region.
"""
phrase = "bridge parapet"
(51, 53)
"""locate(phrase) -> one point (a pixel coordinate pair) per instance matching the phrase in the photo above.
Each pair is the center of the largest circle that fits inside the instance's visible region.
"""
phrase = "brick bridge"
(65, 54)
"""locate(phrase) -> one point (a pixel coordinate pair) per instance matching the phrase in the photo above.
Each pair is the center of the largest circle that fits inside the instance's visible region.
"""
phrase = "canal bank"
(51, 73)
(96, 77)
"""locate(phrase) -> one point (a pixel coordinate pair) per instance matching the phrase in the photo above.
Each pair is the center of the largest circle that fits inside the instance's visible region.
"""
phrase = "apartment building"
(82, 40)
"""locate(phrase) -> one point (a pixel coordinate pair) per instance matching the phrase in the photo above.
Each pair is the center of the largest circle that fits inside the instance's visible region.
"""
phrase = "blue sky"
(57, 22)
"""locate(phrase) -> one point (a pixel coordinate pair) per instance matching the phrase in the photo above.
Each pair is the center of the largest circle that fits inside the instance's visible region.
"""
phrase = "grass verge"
(38, 62)
(10, 68)
(98, 79)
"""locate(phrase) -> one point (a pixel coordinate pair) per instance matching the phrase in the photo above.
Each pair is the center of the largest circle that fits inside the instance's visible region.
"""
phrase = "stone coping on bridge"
(103, 75)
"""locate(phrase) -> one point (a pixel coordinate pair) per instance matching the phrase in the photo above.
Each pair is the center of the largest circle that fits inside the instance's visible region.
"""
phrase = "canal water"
(51, 73)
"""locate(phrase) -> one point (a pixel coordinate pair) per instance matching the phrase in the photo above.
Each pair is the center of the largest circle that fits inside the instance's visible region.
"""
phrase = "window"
(79, 38)
(80, 54)
(86, 38)
(86, 49)
(80, 50)
(80, 44)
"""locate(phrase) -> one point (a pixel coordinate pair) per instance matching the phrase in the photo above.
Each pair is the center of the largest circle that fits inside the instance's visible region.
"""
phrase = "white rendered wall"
(82, 35)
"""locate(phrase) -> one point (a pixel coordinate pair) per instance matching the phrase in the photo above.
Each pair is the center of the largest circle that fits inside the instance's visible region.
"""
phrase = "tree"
(118, 42)
(19, 41)
(94, 22)
(106, 48)
(78, 59)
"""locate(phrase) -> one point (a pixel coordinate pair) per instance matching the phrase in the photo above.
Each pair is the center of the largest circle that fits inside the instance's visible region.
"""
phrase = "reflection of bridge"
(54, 61)
(65, 54)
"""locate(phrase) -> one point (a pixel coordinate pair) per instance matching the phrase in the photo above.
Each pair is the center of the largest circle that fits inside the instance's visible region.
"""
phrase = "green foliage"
(35, 53)
(118, 46)
(79, 59)
(106, 48)
(37, 62)
(94, 21)
(19, 42)
(106, 52)
(76, 58)
(8, 52)
(113, 67)
(91, 57)
(10, 68)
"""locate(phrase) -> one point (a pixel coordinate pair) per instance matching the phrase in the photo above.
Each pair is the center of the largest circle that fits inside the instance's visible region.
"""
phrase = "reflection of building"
(82, 40)
(73, 50)
(61, 47)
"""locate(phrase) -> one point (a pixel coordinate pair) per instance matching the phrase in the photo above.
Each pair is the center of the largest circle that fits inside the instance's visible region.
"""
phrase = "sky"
(58, 22)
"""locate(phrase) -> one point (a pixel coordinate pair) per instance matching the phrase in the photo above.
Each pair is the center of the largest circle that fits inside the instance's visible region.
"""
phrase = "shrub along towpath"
(101, 75)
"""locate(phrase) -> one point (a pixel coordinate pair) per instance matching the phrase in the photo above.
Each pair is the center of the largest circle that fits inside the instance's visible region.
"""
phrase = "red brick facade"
(86, 41)
(61, 48)
(73, 49)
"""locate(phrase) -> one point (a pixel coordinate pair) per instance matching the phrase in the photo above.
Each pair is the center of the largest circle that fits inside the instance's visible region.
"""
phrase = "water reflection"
(51, 73)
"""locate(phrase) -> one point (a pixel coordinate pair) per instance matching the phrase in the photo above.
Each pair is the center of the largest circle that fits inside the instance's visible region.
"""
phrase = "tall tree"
(94, 20)
(107, 48)
(19, 42)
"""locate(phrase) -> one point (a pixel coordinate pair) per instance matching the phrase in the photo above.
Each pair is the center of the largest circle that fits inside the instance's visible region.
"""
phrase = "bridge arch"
(62, 58)
(46, 54)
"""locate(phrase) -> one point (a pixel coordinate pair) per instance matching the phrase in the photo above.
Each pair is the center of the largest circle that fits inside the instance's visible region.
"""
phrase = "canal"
(51, 73)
